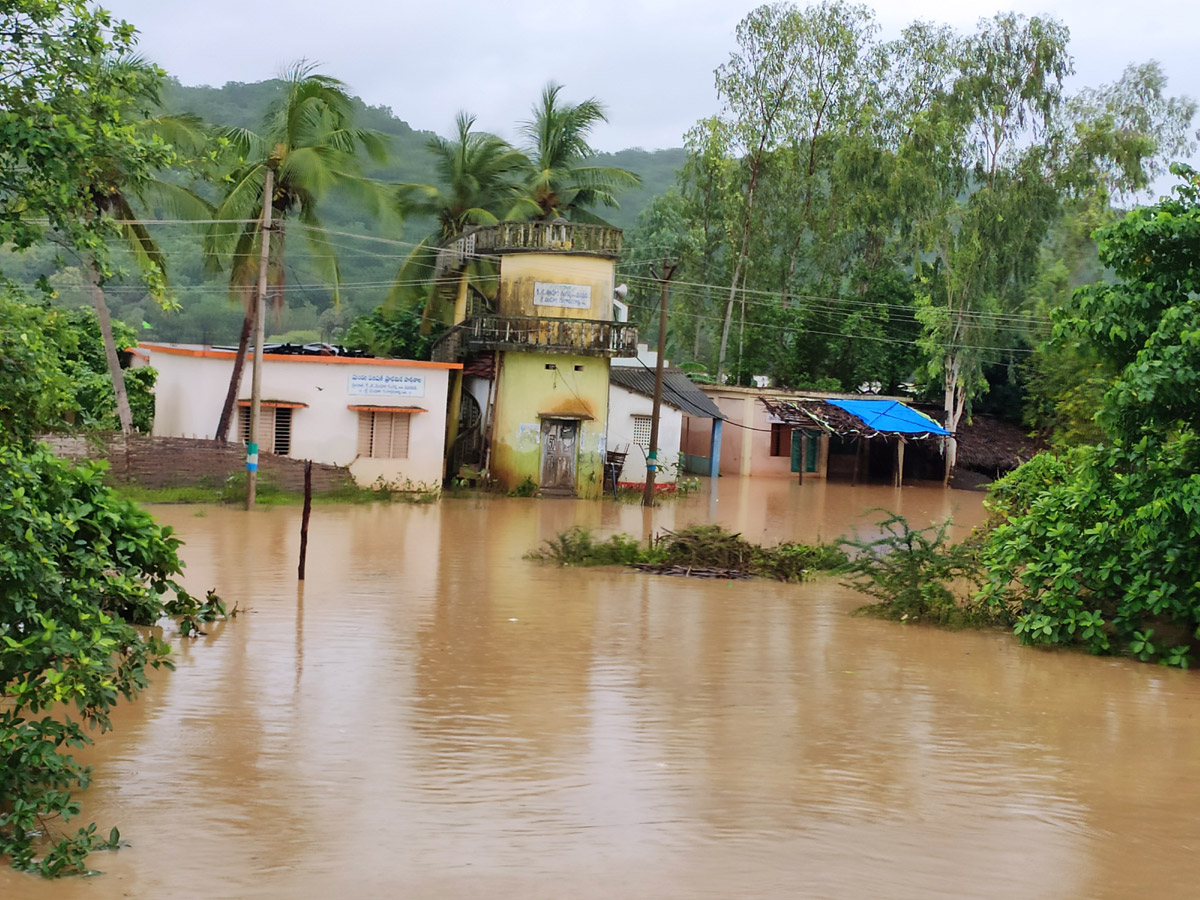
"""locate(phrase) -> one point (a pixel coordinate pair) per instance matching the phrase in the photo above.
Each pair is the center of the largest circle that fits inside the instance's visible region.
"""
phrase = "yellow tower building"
(532, 399)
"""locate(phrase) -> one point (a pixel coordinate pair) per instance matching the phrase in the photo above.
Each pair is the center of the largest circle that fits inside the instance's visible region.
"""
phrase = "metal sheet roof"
(679, 391)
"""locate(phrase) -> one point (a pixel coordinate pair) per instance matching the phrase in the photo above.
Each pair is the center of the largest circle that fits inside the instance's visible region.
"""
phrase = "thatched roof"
(992, 445)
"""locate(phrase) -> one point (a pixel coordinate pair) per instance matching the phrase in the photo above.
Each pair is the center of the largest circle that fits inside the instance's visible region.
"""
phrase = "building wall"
(519, 273)
(527, 392)
(747, 451)
(623, 405)
(695, 442)
(192, 383)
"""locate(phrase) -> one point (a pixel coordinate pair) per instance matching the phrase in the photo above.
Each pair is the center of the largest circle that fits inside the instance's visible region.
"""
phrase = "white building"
(384, 419)
(630, 408)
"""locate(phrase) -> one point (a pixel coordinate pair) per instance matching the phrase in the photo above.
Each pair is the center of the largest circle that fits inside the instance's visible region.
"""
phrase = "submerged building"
(530, 405)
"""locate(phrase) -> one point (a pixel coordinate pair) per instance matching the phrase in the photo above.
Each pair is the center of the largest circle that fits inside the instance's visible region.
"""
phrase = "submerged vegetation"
(697, 549)
(917, 575)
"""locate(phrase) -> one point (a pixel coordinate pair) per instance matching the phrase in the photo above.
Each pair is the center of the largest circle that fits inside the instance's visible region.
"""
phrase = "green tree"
(992, 166)
(309, 142)
(117, 184)
(560, 181)
(793, 86)
(1099, 549)
(479, 183)
(62, 112)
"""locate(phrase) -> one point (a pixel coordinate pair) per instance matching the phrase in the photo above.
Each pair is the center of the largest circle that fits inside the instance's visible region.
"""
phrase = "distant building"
(384, 419)
(630, 405)
(847, 437)
(531, 404)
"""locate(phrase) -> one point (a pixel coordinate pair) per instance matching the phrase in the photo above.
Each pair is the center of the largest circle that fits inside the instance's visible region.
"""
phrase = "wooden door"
(560, 439)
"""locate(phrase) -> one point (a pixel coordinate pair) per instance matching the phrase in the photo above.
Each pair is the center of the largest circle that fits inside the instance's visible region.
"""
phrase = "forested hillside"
(367, 269)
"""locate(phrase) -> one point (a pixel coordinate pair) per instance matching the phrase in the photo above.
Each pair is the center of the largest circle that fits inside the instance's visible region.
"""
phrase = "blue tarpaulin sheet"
(890, 416)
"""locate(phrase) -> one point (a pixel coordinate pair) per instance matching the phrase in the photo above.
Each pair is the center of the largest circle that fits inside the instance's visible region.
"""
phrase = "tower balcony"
(575, 238)
(578, 337)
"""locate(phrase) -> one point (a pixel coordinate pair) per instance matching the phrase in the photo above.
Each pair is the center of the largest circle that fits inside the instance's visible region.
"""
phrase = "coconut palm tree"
(559, 181)
(480, 183)
(309, 142)
(117, 186)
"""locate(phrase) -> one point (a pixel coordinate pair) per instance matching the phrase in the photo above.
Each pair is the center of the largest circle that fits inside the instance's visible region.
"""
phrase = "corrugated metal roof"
(678, 390)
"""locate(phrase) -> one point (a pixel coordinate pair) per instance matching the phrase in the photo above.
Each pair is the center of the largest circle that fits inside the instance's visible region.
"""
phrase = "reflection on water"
(432, 716)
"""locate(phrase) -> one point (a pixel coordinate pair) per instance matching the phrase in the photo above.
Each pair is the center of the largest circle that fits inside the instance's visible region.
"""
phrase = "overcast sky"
(650, 61)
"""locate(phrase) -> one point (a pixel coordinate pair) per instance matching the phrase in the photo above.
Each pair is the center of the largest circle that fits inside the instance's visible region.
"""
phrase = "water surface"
(432, 716)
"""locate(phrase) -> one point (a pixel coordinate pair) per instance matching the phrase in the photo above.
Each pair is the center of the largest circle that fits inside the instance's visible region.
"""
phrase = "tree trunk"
(954, 404)
(124, 416)
(235, 380)
(737, 270)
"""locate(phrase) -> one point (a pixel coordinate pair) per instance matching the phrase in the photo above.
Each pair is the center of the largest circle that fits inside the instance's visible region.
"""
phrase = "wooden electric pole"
(652, 456)
(260, 319)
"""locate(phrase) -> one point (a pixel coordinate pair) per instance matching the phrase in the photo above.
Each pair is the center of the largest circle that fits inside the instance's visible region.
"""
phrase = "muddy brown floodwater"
(432, 716)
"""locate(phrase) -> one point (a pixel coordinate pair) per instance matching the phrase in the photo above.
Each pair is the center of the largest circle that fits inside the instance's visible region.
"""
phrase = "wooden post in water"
(304, 517)
(899, 461)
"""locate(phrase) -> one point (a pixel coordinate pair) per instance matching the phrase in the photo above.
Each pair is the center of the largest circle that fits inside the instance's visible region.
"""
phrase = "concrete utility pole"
(260, 319)
(652, 457)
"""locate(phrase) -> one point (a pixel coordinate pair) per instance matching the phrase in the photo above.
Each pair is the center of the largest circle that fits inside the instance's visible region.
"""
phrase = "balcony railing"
(581, 337)
(531, 237)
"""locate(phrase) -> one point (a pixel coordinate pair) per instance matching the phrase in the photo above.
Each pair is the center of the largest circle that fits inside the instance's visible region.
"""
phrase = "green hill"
(243, 105)
(205, 312)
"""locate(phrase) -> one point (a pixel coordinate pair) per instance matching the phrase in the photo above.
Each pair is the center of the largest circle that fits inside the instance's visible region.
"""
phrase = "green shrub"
(79, 569)
(577, 547)
(526, 488)
(913, 573)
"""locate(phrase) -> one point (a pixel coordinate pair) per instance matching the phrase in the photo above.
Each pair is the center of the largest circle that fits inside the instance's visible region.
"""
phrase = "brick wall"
(156, 462)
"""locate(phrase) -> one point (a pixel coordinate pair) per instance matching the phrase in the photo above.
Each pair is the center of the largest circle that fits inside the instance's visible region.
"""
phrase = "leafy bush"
(53, 373)
(526, 488)
(914, 573)
(1108, 555)
(577, 547)
(79, 568)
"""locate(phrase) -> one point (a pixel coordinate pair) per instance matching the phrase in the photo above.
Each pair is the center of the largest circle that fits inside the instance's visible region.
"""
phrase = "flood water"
(432, 716)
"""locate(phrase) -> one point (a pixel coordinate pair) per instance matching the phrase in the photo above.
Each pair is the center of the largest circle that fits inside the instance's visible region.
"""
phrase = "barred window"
(275, 427)
(641, 431)
(383, 434)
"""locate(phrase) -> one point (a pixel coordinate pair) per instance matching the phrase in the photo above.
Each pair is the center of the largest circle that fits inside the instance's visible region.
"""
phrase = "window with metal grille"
(383, 434)
(781, 439)
(274, 425)
(641, 431)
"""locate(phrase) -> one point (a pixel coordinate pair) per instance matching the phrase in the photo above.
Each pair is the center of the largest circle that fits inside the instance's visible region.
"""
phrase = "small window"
(383, 434)
(275, 425)
(641, 431)
(781, 439)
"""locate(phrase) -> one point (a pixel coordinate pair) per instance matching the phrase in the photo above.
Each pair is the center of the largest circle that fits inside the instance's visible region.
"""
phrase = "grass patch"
(700, 548)
(268, 493)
